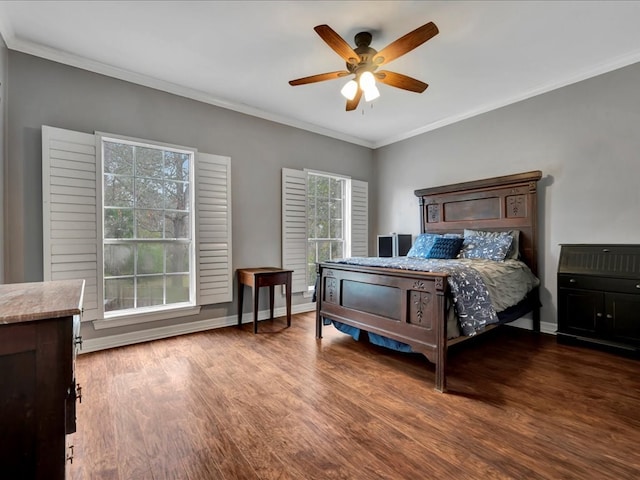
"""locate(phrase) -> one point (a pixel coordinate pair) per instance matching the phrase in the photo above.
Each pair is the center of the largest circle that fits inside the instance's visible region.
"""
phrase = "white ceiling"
(241, 54)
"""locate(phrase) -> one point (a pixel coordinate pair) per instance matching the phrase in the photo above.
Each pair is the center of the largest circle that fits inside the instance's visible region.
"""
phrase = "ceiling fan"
(363, 62)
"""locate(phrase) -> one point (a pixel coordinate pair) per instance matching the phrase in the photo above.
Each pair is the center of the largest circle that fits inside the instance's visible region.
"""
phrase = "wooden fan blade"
(400, 81)
(321, 77)
(337, 43)
(353, 104)
(405, 44)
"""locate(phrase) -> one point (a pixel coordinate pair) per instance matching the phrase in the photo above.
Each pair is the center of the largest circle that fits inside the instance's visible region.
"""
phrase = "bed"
(411, 308)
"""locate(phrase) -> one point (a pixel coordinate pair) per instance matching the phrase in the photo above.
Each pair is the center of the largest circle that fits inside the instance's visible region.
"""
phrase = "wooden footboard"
(406, 306)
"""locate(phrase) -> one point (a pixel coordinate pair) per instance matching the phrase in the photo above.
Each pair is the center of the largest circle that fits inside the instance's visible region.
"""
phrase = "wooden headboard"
(493, 204)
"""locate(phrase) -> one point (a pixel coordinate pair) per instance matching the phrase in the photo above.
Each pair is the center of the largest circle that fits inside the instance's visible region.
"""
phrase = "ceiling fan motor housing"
(366, 54)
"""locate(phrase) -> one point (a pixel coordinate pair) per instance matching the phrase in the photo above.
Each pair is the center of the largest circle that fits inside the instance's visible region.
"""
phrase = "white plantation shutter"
(294, 227)
(359, 218)
(213, 227)
(70, 215)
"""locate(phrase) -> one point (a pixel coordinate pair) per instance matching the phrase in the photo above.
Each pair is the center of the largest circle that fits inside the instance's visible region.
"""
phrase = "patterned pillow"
(445, 247)
(487, 248)
(422, 245)
(514, 251)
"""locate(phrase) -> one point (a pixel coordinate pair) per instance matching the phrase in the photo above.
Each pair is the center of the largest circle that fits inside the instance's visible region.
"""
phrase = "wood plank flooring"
(228, 404)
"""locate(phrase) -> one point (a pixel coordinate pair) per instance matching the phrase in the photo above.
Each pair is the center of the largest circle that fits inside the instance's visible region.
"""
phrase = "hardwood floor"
(228, 404)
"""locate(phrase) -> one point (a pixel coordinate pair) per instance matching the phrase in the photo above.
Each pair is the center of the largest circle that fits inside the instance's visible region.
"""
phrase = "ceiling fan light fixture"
(371, 93)
(367, 80)
(349, 90)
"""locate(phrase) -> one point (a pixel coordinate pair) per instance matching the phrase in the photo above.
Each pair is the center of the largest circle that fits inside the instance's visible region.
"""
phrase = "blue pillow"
(486, 248)
(445, 247)
(422, 245)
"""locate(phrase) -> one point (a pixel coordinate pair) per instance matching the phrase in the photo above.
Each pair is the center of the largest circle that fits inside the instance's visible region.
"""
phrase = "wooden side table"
(263, 277)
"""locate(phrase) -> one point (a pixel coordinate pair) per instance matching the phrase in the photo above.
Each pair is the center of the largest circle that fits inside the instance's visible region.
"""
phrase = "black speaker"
(404, 244)
(394, 245)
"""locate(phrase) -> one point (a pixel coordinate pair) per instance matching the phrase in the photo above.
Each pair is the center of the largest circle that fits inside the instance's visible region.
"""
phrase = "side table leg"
(271, 298)
(256, 298)
(288, 287)
(240, 299)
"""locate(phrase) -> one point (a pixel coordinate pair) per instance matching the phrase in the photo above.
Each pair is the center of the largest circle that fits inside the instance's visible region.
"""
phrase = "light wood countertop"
(25, 302)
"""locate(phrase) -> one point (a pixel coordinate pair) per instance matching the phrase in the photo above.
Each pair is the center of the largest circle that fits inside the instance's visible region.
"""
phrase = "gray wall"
(3, 145)
(48, 93)
(584, 137)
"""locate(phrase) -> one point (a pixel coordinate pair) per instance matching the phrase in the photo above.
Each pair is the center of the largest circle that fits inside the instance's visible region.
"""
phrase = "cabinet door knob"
(572, 280)
(598, 315)
(638, 285)
(609, 315)
(606, 250)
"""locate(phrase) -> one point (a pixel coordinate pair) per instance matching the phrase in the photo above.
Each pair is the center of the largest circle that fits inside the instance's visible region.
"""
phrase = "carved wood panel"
(419, 309)
(516, 206)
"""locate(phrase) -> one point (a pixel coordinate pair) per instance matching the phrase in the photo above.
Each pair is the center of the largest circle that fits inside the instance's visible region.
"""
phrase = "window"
(326, 221)
(150, 233)
(147, 228)
(324, 216)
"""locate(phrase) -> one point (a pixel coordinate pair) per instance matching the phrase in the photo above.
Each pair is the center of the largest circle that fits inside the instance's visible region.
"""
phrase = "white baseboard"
(120, 340)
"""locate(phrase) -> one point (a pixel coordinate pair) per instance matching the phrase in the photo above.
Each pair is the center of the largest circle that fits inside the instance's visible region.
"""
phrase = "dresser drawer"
(587, 282)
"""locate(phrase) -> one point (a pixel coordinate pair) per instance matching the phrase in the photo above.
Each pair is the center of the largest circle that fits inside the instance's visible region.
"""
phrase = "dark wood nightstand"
(263, 277)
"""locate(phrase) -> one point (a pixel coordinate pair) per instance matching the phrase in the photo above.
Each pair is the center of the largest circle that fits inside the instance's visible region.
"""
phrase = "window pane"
(313, 275)
(322, 187)
(118, 191)
(336, 188)
(311, 184)
(118, 223)
(118, 158)
(118, 260)
(176, 195)
(336, 250)
(150, 258)
(118, 294)
(311, 217)
(149, 193)
(335, 209)
(322, 219)
(177, 288)
(149, 162)
(311, 251)
(150, 291)
(149, 223)
(335, 228)
(176, 166)
(177, 225)
(177, 258)
(324, 251)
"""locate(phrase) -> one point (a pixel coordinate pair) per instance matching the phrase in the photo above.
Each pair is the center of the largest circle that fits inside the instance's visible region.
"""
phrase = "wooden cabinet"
(599, 295)
(39, 336)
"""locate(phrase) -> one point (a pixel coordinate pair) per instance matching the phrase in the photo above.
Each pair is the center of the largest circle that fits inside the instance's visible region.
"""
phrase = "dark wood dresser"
(599, 295)
(39, 336)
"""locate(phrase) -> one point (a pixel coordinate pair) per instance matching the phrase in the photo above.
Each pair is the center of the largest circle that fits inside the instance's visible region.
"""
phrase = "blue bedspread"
(470, 296)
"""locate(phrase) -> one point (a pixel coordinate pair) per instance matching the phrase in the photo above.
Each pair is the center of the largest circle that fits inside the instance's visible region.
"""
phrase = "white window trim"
(144, 317)
(156, 312)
